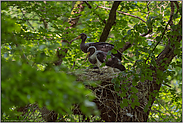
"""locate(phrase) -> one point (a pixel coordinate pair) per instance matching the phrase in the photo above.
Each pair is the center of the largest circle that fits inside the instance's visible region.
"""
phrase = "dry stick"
(170, 21)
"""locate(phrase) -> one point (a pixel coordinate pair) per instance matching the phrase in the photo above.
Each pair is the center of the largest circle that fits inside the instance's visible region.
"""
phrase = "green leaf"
(134, 90)
(129, 32)
(134, 83)
(158, 38)
(123, 94)
(124, 103)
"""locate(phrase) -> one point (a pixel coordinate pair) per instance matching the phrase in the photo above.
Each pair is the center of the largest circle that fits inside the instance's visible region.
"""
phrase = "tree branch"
(110, 22)
(90, 7)
(177, 5)
(148, 9)
(74, 21)
(149, 31)
(171, 14)
(169, 23)
(23, 56)
(62, 51)
(124, 13)
(27, 19)
(125, 47)
(168, 52)
(43, 9)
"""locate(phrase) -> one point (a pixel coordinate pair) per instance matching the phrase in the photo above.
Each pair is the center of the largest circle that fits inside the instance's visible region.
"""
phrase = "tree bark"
(110, 22)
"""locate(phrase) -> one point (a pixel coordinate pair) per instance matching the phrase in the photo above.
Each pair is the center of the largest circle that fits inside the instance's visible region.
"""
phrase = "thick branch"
(168, 52)
(110, 22)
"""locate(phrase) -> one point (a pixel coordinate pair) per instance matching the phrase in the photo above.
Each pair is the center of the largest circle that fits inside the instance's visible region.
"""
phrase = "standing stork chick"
(98, 57)
(102, 46)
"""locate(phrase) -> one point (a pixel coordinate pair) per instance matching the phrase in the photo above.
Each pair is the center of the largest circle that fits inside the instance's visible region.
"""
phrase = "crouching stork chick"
(97, 57)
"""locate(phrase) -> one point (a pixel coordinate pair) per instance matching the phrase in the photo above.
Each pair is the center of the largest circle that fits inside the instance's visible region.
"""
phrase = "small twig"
(125, 47)
(177, 5)
(148, 9)
(27, 19)
(24, 19)
(124, 13)
(167, 85)
(149, 31)
(166, 109)
(157, 5)
(160, 3)
(45, 23)
(73, 65)
(23, 55)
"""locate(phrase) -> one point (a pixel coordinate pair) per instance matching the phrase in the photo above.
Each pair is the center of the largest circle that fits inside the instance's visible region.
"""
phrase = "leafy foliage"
(32, 33)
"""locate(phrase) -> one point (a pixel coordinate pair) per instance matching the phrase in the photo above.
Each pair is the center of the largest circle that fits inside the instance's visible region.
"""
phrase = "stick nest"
(108, 100)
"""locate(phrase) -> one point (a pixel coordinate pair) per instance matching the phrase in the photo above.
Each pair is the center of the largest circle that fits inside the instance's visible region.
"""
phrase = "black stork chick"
(102, 46)
(98, 57)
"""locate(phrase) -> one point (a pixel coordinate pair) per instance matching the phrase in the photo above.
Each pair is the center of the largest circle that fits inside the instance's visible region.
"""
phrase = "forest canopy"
(39, 58)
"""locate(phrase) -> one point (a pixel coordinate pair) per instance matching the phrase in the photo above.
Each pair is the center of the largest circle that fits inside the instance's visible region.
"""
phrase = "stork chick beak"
(76, 38)
(87, 56)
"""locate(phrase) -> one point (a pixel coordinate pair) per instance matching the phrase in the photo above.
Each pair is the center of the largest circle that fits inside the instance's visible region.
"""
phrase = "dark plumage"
(98, 57)
(102, 46)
